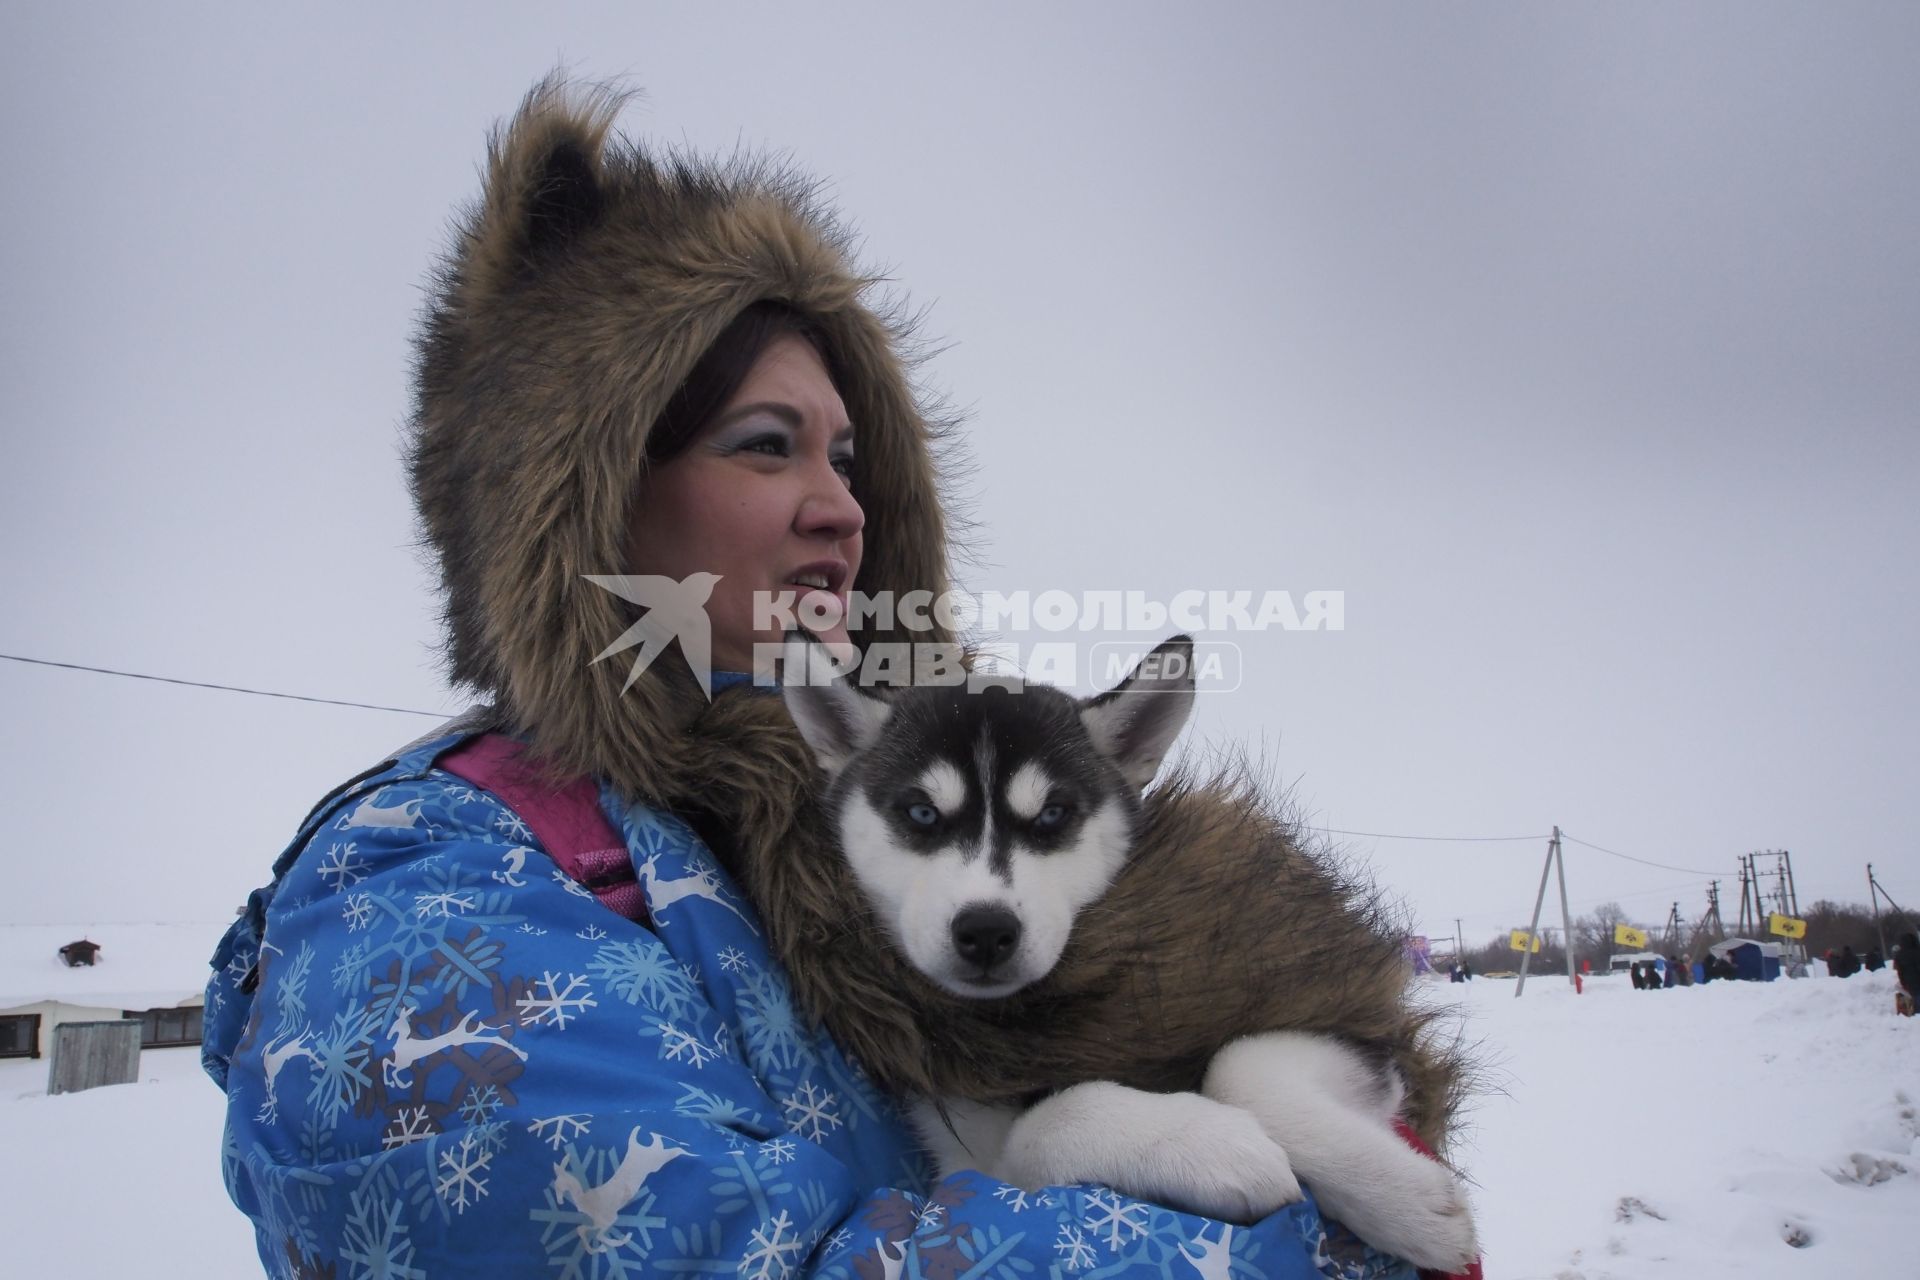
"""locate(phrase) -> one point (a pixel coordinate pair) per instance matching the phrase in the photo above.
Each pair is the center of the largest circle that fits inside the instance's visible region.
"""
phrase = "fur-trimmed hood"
(582, 287)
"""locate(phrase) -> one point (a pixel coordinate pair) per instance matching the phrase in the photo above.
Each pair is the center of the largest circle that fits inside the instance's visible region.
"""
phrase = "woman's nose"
(829, 508)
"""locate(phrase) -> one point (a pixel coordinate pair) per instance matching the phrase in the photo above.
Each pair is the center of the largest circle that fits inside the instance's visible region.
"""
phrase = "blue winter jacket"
(443, 1057)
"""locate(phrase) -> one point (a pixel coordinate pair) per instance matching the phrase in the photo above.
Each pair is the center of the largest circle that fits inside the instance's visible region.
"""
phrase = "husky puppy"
(989, 831)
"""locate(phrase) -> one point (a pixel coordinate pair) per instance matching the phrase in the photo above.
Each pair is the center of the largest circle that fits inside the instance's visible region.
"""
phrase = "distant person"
(1874, 961)
(1849, 962)
(1906, 967)
(1466, 973)
(1703, 969)
(1686, 968)
(1639, 975)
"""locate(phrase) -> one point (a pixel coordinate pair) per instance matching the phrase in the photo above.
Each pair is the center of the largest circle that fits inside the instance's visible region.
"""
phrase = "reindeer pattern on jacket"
(436, 1046)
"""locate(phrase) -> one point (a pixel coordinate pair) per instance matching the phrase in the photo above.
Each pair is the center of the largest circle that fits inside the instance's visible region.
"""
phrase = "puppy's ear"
(1135, 723)
(834, 714)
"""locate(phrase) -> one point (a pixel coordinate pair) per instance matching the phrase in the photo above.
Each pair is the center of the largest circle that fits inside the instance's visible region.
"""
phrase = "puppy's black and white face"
(978, 824)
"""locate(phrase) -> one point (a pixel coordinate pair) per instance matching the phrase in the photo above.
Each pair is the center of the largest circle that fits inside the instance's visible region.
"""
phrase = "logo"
(676, 610)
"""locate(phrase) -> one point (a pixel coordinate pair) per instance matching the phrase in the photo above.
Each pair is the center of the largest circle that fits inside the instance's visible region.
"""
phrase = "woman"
(467, 1030)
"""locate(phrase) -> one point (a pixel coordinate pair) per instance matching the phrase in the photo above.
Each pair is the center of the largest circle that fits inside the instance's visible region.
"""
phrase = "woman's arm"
(458, 1063)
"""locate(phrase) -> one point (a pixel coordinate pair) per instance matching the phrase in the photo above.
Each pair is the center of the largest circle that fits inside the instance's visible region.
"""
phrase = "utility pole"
(1873, 896)
(1459, 943)
(1785, 899)
(1746, 878)
(1555, 860)
(1566, 916)
(1792, 896)
(1900, 912)
(1710, 926)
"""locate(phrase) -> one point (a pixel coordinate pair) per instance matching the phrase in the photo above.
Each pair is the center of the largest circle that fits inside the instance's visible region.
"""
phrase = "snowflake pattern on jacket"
(443, 1057)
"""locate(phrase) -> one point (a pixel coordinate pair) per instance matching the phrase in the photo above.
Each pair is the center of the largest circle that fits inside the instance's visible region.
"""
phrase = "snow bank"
(1750, 1130)
(118, 1181)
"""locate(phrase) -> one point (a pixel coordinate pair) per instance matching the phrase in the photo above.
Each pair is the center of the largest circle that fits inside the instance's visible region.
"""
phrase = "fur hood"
(581, 288)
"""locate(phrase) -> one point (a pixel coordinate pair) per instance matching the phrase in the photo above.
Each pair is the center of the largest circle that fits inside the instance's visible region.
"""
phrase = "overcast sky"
(1576, 346)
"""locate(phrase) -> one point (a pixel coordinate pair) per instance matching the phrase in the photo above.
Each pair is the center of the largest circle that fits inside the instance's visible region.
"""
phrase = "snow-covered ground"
(1735, 1130)
(1751, 1130)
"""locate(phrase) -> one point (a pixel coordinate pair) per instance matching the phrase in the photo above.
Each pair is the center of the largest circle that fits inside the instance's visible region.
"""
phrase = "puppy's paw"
(1180, 1150)
(1415, 1209)
(1223, 1166)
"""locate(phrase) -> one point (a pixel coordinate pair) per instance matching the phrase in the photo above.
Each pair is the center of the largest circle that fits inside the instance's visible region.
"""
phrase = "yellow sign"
(1786, 926)
(1628, 936)
(1517, 941)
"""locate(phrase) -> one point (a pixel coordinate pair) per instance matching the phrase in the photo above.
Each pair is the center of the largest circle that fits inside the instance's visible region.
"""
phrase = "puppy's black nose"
(986, 935)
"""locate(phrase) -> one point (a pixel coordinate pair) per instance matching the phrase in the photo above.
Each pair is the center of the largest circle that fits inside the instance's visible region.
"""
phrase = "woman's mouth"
(822, 575)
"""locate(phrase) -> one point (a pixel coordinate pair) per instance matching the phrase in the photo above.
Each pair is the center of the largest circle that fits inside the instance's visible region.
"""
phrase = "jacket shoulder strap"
(565, 818)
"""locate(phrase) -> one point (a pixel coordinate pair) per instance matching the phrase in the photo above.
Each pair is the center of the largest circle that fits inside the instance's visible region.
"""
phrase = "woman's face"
(761, 496)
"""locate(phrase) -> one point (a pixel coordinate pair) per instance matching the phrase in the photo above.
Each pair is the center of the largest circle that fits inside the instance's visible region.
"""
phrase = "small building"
(1753, 961)
(156, 973)
(1623, 961)
(84, 951)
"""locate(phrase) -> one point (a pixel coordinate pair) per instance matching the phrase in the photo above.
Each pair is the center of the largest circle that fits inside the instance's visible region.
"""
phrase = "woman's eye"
(844, 465)
(922, 815)
(772, 446)
(1050, 816)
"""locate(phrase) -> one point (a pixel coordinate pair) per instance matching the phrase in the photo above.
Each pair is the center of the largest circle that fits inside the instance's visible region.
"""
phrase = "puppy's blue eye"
(922, 815)
(1051, 816)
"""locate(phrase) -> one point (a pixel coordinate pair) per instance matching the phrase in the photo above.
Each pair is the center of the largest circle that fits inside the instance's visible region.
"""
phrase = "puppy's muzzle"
(985, 935)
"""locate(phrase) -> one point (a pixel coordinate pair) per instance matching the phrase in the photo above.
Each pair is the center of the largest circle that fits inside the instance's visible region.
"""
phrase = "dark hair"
(723, 367)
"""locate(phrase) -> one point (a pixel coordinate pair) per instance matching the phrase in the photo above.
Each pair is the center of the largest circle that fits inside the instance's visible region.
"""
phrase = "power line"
(413, 711)
(1643, 893)
(1490, 918)
(228, 688)
(1446, 839)
(116, 924)
(1664, 866)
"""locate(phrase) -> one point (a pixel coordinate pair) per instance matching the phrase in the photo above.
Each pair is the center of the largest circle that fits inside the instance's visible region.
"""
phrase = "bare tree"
(1593, 933)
